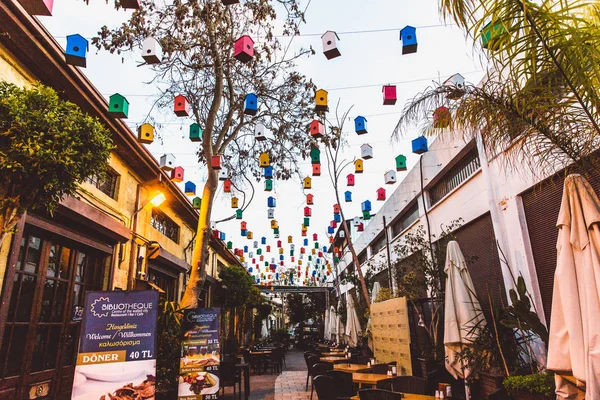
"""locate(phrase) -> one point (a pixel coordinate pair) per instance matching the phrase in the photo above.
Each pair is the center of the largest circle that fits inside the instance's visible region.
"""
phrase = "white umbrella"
(264, 331)
(374, 293)
(326, 332)
(574, 344)
(461, 309)
(333, 322)
(352, 323)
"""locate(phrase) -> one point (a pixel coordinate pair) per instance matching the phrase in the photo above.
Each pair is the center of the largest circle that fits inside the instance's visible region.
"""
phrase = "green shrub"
(542, 383)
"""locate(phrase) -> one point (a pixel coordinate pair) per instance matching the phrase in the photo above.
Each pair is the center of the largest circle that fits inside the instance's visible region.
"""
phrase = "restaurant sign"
(200, 355)
(117, 357)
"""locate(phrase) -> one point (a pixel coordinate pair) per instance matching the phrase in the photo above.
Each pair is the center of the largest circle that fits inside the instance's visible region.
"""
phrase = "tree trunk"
(199, 255)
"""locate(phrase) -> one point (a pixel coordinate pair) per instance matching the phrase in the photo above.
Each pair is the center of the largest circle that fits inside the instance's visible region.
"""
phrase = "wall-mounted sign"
(117, 355)
(200, 355)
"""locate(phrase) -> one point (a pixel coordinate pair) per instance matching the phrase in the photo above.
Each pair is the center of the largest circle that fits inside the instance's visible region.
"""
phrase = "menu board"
(200, 355)
(117, 355)
(391, 333)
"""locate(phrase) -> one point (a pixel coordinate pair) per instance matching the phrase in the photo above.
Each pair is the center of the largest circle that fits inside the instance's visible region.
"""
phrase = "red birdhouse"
(292, 258)
(303, 232)
(262, 258)
(227, 186)
(381, 194)
(307, 212)
(215, 162)
(320, 254)
(330, 239)
(360, 227)
(181, 106)
(333, 224)
(216, 234)
(389, 95)
(243, 49)
(336, 249)
(279, 243)
(177, 174)
(316, 169)
(317, 129)
(302, 250)
(310, 199)
(350, 179)
(243, 225)
(315, 237)
(336, 208)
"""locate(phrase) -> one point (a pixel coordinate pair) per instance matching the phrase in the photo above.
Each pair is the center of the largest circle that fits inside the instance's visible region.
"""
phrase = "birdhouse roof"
(360, 117)
(364, 146)
(307, 179)
(359, 161)
(118, 96)
(329, 33)
(179, 96)
(401, 157)
(315, 122)
(380, 190)
(322, 91)
(408, 28)
(245, 36)
(77, 36)
(453, 78)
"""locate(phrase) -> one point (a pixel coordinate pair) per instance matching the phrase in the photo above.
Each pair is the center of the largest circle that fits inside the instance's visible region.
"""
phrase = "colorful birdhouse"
(216, 162)
(401, 163)
(260, 132)
(268, 172)
(38, 7)
(307, 183)
(333, 224)
(177, 174)
(350, 180)
(76, 51)
(348, 196)
(365, 206)
(321, 102)
(223, 174)
(264, 160)
(307, 212)
(366, 151)
(274, 224)
(342, 233)
(244, 233)
(279, 244)
(306, 221)
(317, 129)
(336, 208)
(151, 51)
(189, 188)
(195, 132)
(268, 249)
(442, 117)
(330, 230)
(310, 199)
(234, 202)
(268, 185)
(358, 167)
(302, 249)
(381, 194)
(250, 235)
(263, 240)
(167, 162)
(305, 243)
(230, 245)
(316, 169)
(271, 202)
(251, 104)
(419, 145)
(118, 106)
(196, 203)
(315, 238)
(227, 186)
(130, 4)
(493, 35)
(408, 36)
(366, 215)
(181, 106)
(389, 95)
(390, 177)
(355, 221)
(243, 49)
(270, 213)
(315, 156)
(239, 214)
(245, 249)
(243, 225)
(146, 133)
(456, 86)
(330, 48)
(360, 227)
(360, 125)
(337, 218)
(290, 239)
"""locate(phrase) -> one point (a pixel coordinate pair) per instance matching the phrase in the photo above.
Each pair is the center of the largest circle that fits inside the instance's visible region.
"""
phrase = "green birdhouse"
(366, 215)
(238, 214)
(307, 221)
(336, 260)
(230, 245)
(268, 185)
(492, 35)
(316, 245)
(309, 258)
(276, 231)
(259, 252)
(118, 106)
(197, 203)
(401, 163)
(195, 132)
(291, 253)
(315, 156)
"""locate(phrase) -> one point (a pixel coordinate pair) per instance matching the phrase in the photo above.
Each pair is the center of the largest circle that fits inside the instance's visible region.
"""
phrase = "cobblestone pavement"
(291, 385)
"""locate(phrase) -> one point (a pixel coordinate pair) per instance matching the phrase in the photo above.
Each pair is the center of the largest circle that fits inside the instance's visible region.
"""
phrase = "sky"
(371, 57)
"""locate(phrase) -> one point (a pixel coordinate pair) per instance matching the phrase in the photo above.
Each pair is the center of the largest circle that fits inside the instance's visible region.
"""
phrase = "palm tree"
(539, 101)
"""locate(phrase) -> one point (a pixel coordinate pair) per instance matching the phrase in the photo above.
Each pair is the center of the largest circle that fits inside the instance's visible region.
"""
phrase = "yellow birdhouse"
(289, 239)
(321, 100)
(358, 166)
(146, 133)
(242, 259)
(304, 228)
(274, 224)
(307, 183)
(234, 202)
(250, 235)
(281, 250)
(264, 160)
(299, 262)
(314, 251)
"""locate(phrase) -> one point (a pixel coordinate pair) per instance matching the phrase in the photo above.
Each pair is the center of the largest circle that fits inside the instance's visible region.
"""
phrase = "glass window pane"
(46, 309)
(39, 351)
(80, 272)
(52, 261)
(33, 254)
(16, 351)
(52, 347)
(68, 354)
(65, 255)
(13, 297)
(60, 301)
(26, 298)
(21, 252)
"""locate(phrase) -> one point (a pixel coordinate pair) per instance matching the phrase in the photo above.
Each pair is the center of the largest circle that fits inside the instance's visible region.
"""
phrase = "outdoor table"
(368, 378)
(407, 396)
(334, 354)
(260, 353)
(334, 360)
(245, 368)
(345, 367)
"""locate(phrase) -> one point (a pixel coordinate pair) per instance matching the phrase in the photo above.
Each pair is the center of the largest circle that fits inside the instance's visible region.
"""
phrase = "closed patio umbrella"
(574, 343)
(326, 327)
(352, 323)
(264, 331)
(332, 323)
(462, 311)
(374, 293)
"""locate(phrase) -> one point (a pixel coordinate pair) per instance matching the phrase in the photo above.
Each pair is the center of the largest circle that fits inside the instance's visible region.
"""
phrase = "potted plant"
(538, 386)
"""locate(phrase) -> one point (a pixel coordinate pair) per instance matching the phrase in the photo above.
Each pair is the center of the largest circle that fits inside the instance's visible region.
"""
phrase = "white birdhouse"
(330, 48)
(390, 177)
(457, 84)
(250, 254)
(276, 236)
(366, 151)
(356, 221)
(292, 246)
(213, 225)
(223, 175)
(271, 213)
(342, 233)
(260, 132)
(301, 256)
(255, 244)
(151, 51)
(167, 162)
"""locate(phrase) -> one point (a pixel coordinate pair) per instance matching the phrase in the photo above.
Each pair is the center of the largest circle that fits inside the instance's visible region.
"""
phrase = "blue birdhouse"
(324, 249)
(244, 232)
(245, 249)
(250, 269)
(281, 257)
(76, 51)
(263, 240)
(408, 36)
(330, 230)
(222, 235)
(189, 188)
(366, 206)
(306, 242)
(360, 125)
(268, 172)
(251, 104)
(419, 145)
(348, 196)
(337, 218)
(271, 202)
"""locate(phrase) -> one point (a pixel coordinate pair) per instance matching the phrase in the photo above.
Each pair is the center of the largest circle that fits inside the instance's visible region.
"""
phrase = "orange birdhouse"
(316, 169)
(310, 199)
(336, 208)
(317, 129)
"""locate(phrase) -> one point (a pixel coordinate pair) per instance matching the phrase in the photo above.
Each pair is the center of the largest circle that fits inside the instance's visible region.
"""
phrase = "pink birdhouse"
(307, 212)
(350, 179)
(310, 199)
(279, 243)
(316, 169)
(336, 208)
(381, 194)
(177, 174)
(243, 225)
(243, 49)
(333, 224)
(181, 106)
(215, 162)
(317, 129)
(389, 95)
(315, 237)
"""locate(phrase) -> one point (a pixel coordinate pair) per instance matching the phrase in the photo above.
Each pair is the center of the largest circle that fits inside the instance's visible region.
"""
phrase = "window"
(106, 184)
(410, 215)
(362, 257)
(165, 225)
(163, 281)
(459, 173)
(378, 244)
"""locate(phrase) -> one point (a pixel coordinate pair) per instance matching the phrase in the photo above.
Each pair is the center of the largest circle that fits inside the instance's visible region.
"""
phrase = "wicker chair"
(325, 387)
(378, 394)
(406, 384)
(319, 368)
(344, 386)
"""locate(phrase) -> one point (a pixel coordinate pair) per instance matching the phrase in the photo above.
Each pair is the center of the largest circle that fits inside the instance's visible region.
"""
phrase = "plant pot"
(520, 395)
(490, 383)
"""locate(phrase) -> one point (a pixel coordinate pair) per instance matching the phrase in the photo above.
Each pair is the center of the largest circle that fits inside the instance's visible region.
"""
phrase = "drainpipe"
(133, 250)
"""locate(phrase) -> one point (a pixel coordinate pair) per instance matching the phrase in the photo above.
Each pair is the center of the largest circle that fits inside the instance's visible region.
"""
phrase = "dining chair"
(378, 394)
(230, 376)
(319, 368)
(310, 359)
(407, 384)
(344, 386)
(325, 387)
(380, 369)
